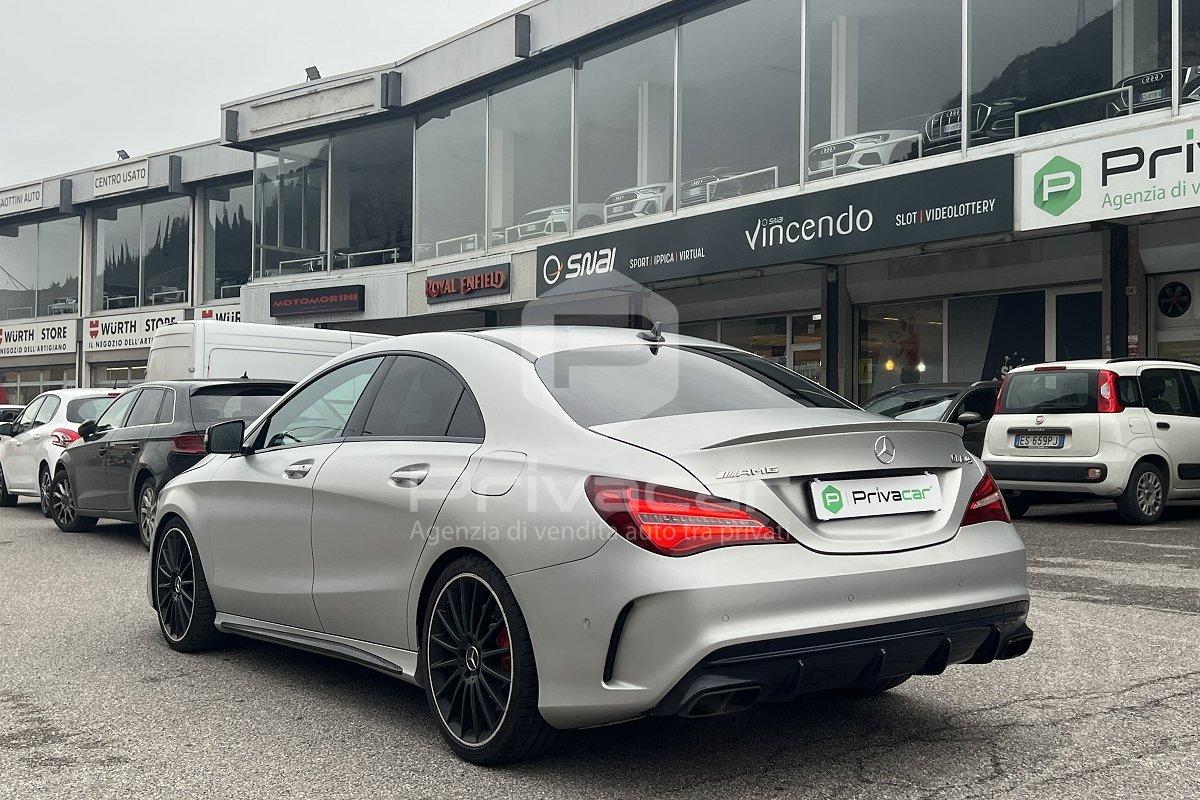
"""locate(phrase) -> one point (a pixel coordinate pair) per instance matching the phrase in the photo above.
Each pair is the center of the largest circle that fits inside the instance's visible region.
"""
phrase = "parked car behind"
(31, 445)
(145, 438)
(1124, 429)
(8, 413)
(970, 405)
(677, 524)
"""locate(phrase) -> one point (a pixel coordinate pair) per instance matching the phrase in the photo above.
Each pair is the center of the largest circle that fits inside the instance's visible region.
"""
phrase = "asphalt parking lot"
(93, 705)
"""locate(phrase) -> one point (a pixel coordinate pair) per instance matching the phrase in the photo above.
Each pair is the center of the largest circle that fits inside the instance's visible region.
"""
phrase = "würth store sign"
(125, 331)
(123, 177)
(22, 198)
(971, 199)
(478, 282)
(37, 338)
(326, 300)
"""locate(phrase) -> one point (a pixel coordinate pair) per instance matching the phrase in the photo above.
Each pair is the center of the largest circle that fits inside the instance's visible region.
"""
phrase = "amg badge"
(749, 472)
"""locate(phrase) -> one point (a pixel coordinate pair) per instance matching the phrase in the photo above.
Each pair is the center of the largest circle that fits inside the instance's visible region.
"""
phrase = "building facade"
(871, 193)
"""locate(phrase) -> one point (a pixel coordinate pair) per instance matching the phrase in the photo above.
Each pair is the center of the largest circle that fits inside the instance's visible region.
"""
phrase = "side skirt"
(391, 661)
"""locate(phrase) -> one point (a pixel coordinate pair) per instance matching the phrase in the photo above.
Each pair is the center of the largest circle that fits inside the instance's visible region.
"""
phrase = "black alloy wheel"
(63, 509)
(175, 585)
(470, 660)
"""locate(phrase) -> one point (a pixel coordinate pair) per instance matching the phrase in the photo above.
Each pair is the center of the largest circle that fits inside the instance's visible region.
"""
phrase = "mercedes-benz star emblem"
(473, 658)
(885, 450)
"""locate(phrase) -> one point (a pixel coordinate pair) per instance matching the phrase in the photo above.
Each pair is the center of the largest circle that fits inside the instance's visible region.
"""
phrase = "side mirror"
(969, 418)
(225, 438)
(6, 429)
(87, 430)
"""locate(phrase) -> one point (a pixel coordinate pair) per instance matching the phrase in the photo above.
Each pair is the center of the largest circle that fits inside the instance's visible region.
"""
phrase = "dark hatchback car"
(970, 405)
(147, 436)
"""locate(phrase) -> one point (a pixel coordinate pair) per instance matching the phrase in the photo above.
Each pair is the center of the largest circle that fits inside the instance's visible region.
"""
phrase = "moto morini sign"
(326, 300)
(969, 199)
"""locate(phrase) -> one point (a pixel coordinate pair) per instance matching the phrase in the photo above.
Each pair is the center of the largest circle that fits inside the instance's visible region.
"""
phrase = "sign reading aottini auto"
(478, 282)
(971, 199)
(326, 300)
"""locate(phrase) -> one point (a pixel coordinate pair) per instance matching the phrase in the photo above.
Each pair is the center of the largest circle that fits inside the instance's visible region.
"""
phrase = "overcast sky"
(81, 78)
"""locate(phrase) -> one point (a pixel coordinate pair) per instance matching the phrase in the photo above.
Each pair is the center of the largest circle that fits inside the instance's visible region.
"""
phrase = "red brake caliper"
(503, 642)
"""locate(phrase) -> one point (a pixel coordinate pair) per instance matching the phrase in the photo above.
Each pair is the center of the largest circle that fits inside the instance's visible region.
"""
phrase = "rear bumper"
(1056, 477)
(858, 658)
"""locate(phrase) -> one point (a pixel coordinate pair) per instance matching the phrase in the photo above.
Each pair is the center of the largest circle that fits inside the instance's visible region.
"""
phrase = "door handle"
(133, 448)
(1164, 426)
(103, 451)
(410, 476)
(297, 470)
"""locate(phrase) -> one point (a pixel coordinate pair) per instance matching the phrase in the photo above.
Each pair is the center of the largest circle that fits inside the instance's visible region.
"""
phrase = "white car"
(32, 444)
(1126, 429)
(862, 151)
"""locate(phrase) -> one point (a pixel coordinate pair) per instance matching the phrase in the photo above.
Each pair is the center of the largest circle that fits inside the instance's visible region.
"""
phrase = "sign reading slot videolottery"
(971, 199)
(326, 300)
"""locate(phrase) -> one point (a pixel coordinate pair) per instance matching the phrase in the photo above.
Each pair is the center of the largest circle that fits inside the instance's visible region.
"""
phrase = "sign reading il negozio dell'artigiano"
(124, 177)
(38, 338)
(971, 199)
(123, 331)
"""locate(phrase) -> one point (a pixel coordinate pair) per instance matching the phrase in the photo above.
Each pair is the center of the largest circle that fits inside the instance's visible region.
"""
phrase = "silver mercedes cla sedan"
(551, 528)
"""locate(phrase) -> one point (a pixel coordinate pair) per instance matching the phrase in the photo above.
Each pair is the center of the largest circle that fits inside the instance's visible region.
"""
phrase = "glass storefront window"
(1189, 34)
(39, 268)
(18, 271)
(227, 239)
(766, 337)
(118, 376)
(451, 181)
(291, 199)
(142, 254)
(807, 330)
(625, 110)
(899, 343)
(1037, 63)
(739, 73)
(863, 111)
(371, 196)
(987, 333)
(19, 387)
(529, 159)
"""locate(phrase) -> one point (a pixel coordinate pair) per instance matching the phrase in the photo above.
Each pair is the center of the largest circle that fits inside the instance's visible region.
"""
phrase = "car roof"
(73, 394)
(1121, 366)
(205, 382)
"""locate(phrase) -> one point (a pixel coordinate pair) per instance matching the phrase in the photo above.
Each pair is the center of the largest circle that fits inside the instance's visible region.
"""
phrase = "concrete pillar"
(843, 94)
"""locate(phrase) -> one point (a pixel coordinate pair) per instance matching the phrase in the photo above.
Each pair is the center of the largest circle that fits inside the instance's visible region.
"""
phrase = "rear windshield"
(1052, 392)
(600, 385)
(913, 404)
(213, 404)
(85, 408)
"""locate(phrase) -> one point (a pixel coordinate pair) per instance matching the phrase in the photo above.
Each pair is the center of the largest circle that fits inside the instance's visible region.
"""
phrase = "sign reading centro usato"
(123, 177)
(1129, 174)
(123, 331)
(325, 300)
(970, 199)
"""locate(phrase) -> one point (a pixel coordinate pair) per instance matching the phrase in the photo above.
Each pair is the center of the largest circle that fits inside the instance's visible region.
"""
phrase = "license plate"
(1154, 94)
(953, 127)
(825, 163)
(1038, 441)
(876, 497)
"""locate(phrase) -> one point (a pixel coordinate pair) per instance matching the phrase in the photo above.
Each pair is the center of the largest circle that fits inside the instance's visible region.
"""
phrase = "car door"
(36, 438)
(19, 451)
(125, 446)
(261, 508)
(89, 468)
(379, 494)
(1173, 422)
(1189, 444)
(981, 401)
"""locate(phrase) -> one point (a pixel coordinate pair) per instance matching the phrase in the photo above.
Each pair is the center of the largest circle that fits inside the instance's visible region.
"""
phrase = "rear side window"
(213, 404)
(1050, 392)
(1129, 393)
(85, 408)
(913, 404)
(145, 409)
(47, 410)
(422, 399)
(1163, 392)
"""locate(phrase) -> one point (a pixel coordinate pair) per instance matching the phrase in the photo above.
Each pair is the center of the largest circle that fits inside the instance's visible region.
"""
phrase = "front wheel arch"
(428, 580)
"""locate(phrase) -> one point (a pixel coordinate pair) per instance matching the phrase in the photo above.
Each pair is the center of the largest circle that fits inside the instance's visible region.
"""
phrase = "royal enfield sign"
(326, 300)
(223, 313)
(465, 284)
(124, 331)
(22, 198)
(38, 338)
(969, 199)
(1142, 172)
(124, 177)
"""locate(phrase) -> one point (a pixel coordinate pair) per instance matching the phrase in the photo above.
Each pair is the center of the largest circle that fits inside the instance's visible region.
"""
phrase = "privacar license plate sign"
(876, 497)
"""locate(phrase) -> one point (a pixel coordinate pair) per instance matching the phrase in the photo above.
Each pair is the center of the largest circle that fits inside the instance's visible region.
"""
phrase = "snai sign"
(125, 331)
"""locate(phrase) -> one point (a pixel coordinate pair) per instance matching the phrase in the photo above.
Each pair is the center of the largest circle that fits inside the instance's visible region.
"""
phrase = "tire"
(6, 498)
(885, 685)
(462, 662)
(147, 504)
(44, 481)
(62, 506)
(1145, 495)
(182, 603)
(1017, 506)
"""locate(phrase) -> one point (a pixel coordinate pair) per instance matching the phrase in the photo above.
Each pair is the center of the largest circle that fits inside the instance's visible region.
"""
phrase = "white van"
(213, 349)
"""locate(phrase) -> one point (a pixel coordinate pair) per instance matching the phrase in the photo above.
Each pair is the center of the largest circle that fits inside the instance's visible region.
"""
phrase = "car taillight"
(675, 522)
(64, 437)
(986, 505)
(1000, 396)
(191, 444)
(1107, 401)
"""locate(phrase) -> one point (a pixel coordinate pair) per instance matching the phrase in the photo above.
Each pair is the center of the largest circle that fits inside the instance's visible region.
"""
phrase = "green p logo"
(1057, 186)
(831, 498)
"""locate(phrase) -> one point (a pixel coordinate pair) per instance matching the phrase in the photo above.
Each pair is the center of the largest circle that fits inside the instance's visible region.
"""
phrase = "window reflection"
(451, 182)
(898, 344)
(291, 208)
(39, 268)
(227, 244)
(142, 254)
(18, 270)
(371, 194)
(165, 239)
(739, 69)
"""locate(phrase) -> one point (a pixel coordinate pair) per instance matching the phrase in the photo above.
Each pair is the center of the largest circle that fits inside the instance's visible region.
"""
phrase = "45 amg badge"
(831, 498)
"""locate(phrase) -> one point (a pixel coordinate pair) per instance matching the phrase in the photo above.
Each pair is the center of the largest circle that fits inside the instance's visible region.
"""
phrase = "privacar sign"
(1130, 174)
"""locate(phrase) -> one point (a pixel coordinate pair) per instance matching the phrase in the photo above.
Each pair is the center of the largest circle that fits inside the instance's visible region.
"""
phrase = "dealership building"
(871, 193)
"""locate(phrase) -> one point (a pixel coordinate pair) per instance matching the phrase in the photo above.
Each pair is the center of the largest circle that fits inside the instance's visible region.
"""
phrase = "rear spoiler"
(852, 427)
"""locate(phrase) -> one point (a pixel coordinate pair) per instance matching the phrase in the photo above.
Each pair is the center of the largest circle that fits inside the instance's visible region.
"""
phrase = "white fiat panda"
(1127, 429)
